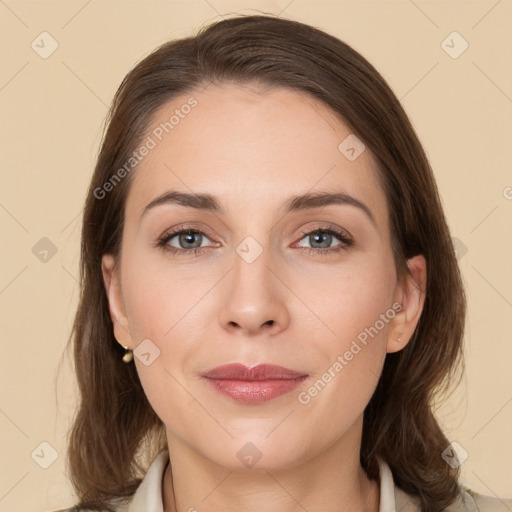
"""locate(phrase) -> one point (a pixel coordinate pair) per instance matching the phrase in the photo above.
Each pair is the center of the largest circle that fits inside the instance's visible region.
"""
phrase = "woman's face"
(256, 282)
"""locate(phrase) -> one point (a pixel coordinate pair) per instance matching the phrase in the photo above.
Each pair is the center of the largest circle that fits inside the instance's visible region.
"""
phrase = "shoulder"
(490, 504)
(77, 508)
(470, 501)
(72, 509)
(467, 501)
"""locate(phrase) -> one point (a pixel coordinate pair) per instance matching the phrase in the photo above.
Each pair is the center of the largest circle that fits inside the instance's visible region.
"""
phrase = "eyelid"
(343, 234)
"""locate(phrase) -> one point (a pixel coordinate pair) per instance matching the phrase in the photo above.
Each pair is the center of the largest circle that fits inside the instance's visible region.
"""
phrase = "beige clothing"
(148, 497)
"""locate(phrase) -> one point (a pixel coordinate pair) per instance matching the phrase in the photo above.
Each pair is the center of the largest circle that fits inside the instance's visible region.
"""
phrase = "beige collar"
(148, 497)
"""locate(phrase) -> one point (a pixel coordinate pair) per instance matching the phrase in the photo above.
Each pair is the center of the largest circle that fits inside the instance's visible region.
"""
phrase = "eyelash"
(346, 241)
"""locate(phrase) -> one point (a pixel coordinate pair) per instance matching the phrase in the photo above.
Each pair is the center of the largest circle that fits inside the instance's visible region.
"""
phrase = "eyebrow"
(306, 201)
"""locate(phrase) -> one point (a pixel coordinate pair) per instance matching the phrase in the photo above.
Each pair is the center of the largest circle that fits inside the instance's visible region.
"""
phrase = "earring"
(128, 354)
(399, 340)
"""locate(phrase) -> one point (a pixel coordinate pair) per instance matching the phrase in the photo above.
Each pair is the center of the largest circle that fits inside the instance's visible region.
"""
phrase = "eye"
(189, 240)
(322, 237)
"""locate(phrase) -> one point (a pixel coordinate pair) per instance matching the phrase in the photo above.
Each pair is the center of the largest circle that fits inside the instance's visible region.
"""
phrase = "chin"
(255, 453)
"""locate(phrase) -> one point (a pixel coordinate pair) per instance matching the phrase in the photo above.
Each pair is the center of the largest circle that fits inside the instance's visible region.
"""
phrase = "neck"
(333, 481)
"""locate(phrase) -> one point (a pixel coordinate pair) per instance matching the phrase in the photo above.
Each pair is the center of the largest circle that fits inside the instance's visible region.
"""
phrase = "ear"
(410, 294)
(112, 282)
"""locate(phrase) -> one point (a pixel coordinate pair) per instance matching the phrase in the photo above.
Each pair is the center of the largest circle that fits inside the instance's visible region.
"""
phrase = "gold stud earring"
(128, 354)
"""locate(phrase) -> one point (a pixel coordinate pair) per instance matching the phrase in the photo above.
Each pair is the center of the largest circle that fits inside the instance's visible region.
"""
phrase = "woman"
(287, 359)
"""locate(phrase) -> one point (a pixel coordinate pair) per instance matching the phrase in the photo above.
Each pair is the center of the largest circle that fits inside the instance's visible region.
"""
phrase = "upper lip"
(238, 371)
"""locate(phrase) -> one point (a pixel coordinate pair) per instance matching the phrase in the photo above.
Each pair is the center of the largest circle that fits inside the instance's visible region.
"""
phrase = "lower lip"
(253, 392)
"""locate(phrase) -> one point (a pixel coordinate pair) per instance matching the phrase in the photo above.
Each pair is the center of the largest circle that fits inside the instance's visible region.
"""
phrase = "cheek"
(160, 308)
(355, 307)
(349, 298)
(161, 305)
(172, 399)
(151, 307)
(160, 300)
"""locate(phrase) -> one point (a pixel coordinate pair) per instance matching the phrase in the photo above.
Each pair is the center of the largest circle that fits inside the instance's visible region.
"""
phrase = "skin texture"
(253, 150)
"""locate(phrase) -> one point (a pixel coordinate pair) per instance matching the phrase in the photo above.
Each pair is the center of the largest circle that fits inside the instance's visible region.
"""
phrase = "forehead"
(250, 146)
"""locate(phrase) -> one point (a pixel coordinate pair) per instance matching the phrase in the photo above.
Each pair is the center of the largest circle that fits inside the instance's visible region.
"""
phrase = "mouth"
(253, 385)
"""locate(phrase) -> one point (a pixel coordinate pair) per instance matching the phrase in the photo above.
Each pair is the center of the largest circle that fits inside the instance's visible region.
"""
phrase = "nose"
(254, 299)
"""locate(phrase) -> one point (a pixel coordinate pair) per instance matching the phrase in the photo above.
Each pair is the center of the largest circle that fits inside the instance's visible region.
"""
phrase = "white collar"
(148, 497)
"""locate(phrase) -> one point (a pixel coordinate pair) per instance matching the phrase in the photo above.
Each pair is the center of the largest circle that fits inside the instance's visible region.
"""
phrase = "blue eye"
(186, 237)
(322, 234)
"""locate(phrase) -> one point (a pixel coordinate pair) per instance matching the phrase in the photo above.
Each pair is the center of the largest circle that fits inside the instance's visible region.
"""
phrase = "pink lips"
(259, 384)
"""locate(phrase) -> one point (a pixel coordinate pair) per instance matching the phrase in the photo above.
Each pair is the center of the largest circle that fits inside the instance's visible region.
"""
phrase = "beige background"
(52, 113)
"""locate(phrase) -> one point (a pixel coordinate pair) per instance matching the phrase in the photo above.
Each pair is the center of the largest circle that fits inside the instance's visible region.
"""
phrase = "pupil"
(189, 238)
(318, 236)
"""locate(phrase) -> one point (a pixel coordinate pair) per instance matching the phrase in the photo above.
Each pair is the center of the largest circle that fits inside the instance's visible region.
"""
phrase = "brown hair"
(116, 433)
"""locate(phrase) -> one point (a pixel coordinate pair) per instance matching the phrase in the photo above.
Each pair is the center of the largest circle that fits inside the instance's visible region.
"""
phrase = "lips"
(238, 371)
(253, 385)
